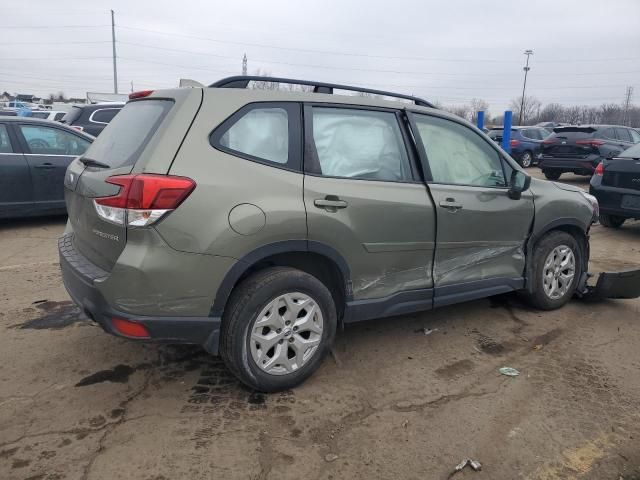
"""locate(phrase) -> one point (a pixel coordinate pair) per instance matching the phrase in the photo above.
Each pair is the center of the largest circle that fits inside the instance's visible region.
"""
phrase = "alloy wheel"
(286, 333)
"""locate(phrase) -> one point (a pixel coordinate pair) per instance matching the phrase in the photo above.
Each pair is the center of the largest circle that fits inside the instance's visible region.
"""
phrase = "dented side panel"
(386, 232)
(483, 239)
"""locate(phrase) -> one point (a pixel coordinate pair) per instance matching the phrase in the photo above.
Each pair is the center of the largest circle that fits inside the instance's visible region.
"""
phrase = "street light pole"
(526, 70)
(113, 44)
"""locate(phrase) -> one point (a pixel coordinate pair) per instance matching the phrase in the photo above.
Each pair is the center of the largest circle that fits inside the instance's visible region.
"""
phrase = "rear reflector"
(140, 94)
(77, 127)
(143, 199)
(129, 328)
(599, 170)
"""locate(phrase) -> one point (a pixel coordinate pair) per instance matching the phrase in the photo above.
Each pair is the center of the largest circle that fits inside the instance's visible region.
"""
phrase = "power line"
(308, 50)
(56, 43)
(52, 26)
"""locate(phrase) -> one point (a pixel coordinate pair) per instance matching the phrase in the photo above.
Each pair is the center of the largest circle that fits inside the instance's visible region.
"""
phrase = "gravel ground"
(392, 402)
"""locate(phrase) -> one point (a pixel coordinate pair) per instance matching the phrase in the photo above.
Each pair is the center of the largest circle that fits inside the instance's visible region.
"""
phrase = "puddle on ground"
(55, 315)
(118, 374)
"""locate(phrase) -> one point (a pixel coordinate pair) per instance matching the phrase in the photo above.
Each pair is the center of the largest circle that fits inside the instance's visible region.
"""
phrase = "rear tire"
(527, 159)
(611, 221)
(277, 328)
(557, 269)
(551, 175)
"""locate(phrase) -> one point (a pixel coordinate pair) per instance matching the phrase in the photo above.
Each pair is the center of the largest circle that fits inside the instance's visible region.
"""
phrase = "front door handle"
(451, 205)
(330, 203)
(47, 166)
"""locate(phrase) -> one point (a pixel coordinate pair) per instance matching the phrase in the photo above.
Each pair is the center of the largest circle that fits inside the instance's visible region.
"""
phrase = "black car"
(579, 149)
(616, 185)
(34, 155)
(92, 118)
(525, 142)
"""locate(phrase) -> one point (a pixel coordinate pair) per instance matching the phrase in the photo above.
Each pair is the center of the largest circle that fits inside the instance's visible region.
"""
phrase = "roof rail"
(242, 81)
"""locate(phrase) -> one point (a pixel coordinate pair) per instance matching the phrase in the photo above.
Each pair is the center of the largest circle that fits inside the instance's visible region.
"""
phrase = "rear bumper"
(610, 200)
(576, 165)
(78, 275)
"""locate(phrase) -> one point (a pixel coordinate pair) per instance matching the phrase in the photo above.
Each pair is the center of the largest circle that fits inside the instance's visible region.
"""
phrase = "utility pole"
(113, 44)
(244, 65)
(626, 105)
(524, 87)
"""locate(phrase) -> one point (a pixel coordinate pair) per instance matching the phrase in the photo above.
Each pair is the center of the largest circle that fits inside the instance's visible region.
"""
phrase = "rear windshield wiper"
(94, 163)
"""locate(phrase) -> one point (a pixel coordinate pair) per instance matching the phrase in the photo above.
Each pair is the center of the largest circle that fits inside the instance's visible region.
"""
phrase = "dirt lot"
(76, 403)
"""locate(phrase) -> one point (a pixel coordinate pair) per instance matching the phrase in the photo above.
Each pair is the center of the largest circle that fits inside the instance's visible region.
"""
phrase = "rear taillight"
(599, 170)
(77, 127)
(143, 199)
(514, 143)
(140, 94)
(591, 143)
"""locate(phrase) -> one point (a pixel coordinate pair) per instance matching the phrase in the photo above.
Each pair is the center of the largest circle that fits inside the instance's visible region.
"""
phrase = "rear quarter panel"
(267, 201)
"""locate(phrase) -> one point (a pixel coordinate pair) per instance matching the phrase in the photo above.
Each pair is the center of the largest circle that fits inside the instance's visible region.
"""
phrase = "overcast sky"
(586, 51)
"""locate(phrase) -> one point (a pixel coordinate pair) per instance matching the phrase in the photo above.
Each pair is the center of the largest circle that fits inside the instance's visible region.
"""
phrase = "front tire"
(611, 221)
(551, 175)
(527, 159)
(557, 269)
(277, 328)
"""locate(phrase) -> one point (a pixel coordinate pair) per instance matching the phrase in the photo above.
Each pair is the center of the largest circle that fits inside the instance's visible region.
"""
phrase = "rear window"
(40, 114)
(121, 143)
(573, 133)
(72, 115)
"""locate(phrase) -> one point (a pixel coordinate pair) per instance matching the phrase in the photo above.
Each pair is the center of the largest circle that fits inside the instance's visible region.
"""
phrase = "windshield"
(122, 141)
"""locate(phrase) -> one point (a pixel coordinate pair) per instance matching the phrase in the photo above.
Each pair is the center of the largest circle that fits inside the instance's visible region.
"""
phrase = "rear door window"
(358, 143)
(635, 136)
(121, 143)
(43, 140)
(104, 115)
(623, 135)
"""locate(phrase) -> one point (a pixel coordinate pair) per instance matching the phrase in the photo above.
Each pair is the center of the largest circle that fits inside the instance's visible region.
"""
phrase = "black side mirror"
(520, 182)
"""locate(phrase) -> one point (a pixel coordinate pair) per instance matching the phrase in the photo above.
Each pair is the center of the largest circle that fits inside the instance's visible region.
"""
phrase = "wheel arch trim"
(286, 246)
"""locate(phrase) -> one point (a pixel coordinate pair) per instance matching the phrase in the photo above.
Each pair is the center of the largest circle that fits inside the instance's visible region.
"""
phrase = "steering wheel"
(38, 144)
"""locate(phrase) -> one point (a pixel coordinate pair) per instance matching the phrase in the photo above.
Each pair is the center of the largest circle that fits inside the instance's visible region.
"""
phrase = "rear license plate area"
(631, 202)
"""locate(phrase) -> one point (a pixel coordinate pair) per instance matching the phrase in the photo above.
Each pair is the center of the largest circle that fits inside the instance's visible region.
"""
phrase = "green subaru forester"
(254, 222)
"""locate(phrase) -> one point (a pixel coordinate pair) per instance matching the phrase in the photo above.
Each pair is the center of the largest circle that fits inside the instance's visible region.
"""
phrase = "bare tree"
(478, 105)
(531, 109)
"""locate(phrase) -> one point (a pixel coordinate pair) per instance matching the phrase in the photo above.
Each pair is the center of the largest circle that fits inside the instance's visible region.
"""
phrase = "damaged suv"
(255, 222)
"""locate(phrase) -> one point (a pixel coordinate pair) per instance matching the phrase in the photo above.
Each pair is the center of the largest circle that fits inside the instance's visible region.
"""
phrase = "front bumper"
(79, 275)
(614, 285)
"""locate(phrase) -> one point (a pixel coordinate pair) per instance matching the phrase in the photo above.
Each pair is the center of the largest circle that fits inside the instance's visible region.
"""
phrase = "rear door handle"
(451, 205)
(330, 202)
(46, 165)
